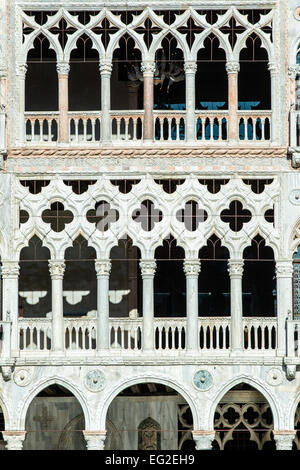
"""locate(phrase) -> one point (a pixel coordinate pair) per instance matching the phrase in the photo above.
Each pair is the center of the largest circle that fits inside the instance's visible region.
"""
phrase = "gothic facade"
(150, 225)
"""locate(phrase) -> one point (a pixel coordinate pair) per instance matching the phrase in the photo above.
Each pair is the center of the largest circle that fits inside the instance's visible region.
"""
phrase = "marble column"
(192, 268)
(3, 100)
(95, 440)
(273, 68)
(105, 68)
(10, 283)
(14, 439)
(21, 70)
(57, 269)
(293, 71)
(232, 69)
(284, 280)
(148, 268)
(148, 68)
(284, 439)
(63, 69)
(235, 269)
(203, 439)
(190, 68)
(103, 268)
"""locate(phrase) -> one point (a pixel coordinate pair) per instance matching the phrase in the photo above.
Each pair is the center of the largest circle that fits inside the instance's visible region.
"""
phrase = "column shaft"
(103, 268)
(233, 124)
(10, 275)
(57, 268)
(274, 100)
(148, 270)
(235, 269)
(192, 269)
(105, 70)
(148, 125)
(21, 75)
(284, 280)
(63, 100)
(190, 125)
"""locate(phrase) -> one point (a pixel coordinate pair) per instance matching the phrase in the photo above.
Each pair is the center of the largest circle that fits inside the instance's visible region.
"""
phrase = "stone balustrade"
(295, 128)
(41, 127)
(260, 334)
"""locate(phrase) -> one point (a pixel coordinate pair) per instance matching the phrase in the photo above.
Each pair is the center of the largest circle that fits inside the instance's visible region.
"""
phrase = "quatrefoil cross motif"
(235, 216)
(57, 216)
(102, 216)
(191, 215)
(147, 215)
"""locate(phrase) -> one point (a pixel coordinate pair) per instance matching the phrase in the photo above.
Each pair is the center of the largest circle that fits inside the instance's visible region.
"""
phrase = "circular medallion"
(297, 13)
(22, 377)
(274, 377)
(294, 197)
(95, 380)
(202, 380)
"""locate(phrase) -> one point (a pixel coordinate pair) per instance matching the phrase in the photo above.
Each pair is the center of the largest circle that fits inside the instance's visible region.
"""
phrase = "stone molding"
(232, 67)
(63, 68)
(284, 439)
(148, 268)
(235, 268)
(103, 268)
(105, 67)
(192, 267)
(21, 70)
(57, 269)
(10, 269)
(95, 440)
(203, 439)
(273, 67)
(14, 439)
(190, 67)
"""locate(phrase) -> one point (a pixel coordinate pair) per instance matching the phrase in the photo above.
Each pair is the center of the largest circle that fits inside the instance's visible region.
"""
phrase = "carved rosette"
(190, 67)
(284, 439)
(95, 440)
(191, 267)
(95, 380)
(148, 67)
(105, 67)
(148, 268)
(22, 377)
(236, 268)
(57, 269)
(284, 269)
(232, 67)
(14, 439)
(63, 68)
(10, 269)
(103, 268)
(203, 439)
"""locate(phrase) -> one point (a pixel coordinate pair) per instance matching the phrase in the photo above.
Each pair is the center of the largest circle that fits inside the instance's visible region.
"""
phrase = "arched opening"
(79, 283)
(149, 416)
(296, 443)
(169, 290)
(34, 280)
(243, 421)
(214, 281)
(259, 280)
(41, 84)
(54, 421)
(2, 428)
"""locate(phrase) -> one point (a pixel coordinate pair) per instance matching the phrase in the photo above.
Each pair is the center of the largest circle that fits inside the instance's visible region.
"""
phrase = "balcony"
(127, 127)
(295, 137)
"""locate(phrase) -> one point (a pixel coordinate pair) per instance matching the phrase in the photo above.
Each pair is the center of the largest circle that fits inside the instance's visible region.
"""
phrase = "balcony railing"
(260, 334)
(84, 128)
(295, 128)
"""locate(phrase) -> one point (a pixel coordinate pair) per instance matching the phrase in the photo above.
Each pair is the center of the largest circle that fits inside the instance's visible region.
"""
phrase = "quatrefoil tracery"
(191, 215)
(102, 216)
(236, 216)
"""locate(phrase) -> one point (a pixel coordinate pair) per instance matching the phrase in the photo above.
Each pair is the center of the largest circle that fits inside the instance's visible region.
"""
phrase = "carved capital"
(293, 70)
(284, 439)
(10, 269)
(103, 267)
(6, 372)
(148, 268)
(21, 70)
(290, 371)
(191, 267)
(63, 68)
(232, 66)
(190, 66)
(105, 67)
(148, 67)
(284, 269)
(14, 439)
(236, 268)
(203, 439)
(95, 440)
(273, 67)
(57, 269)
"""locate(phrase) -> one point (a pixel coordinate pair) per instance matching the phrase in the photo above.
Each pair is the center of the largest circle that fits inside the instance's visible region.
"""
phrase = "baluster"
(219, 126)
(169, 120)
(255, 337)
(218, 327)
(32, 129)
(203, 128)
(84, 122)
(211, 128)
(134, 123)
(38, 332)
(263, 328)
(161, 122)
(178, 129)
(126, 120)
(118, 128)
(122, 337)
(31, 339)
(93, 125)
(173, 335)
(211, 336)
(76, 130)
(263, 134)
(41, 130)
